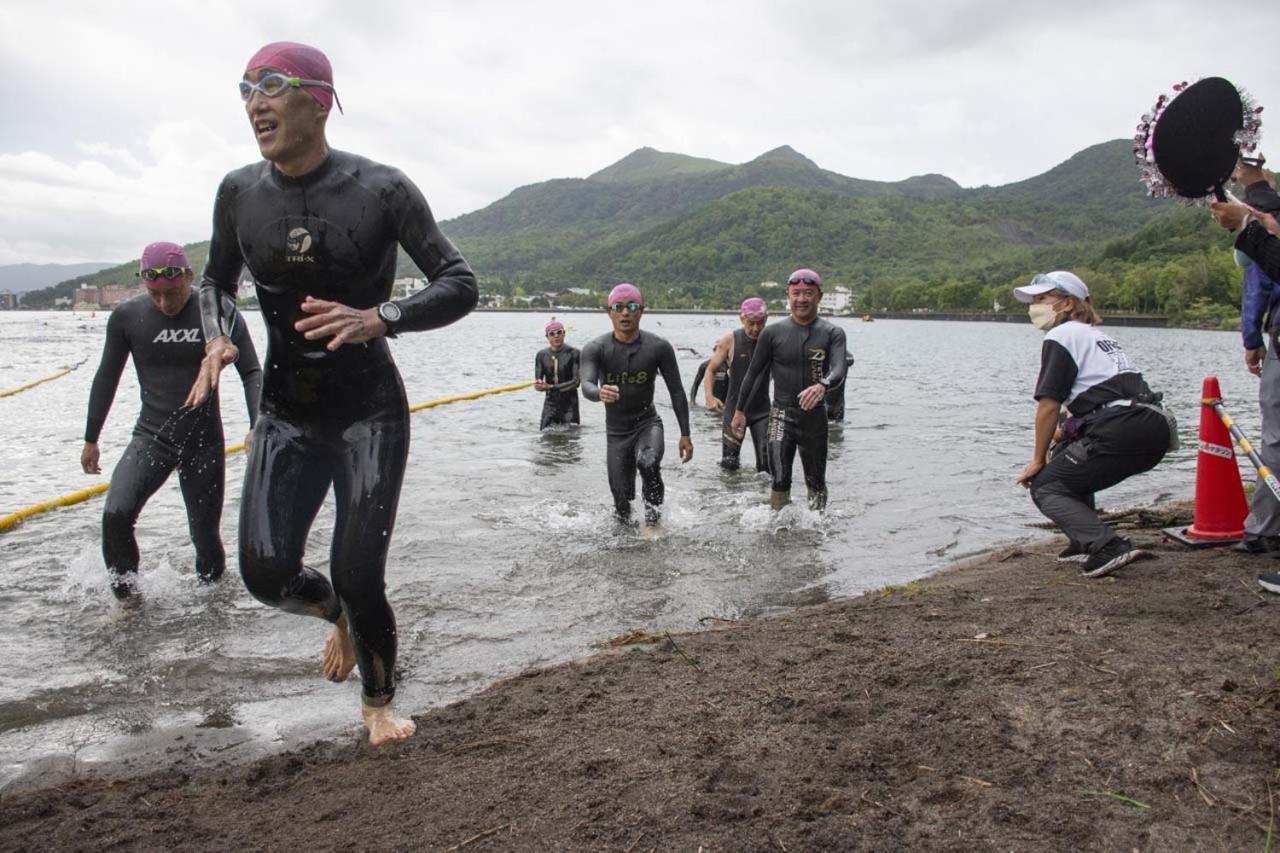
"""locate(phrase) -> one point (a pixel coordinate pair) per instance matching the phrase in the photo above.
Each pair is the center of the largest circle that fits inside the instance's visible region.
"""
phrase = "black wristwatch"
(390, 313)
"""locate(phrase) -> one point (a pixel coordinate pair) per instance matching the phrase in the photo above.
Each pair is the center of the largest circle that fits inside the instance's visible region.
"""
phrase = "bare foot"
(339, 652)
(385, 725)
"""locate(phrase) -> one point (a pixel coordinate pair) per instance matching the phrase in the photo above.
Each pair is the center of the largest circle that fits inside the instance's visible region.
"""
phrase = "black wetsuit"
(835, 397)
(560, 371)
(329, 418)
(167, 352)
(797, 357)
(757, 408)
(719, 385)
(635, 434)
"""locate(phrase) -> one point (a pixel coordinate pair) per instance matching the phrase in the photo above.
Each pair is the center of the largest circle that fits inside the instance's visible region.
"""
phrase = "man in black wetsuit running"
(318, 230)
(161, 330)
(805, 356)
(620, 369)
(555, 372)
(735, 351)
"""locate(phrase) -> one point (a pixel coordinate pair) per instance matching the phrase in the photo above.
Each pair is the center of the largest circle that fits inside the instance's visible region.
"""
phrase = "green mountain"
(697, 232)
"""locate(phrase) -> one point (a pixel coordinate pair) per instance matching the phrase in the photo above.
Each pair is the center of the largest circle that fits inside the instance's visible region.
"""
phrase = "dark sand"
(1005, 705)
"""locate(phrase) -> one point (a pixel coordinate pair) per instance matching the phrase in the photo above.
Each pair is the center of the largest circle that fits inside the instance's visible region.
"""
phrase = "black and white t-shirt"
(1083, 367)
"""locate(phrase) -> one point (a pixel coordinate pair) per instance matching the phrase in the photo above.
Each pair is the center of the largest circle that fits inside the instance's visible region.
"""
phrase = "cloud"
(474, 99)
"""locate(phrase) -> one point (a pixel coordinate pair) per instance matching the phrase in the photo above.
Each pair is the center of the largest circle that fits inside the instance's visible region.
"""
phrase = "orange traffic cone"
(1220, 504)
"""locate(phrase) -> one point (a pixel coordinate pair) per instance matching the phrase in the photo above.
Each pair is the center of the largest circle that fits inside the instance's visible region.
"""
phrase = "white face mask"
(1042, 315)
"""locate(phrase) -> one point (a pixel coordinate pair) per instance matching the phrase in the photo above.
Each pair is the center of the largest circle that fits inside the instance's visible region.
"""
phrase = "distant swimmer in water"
(835, 397)
(805, 355)
(161, 331)
(735, 351)
(621, 369)
(718, 385)
(555, 373)
(318, 230)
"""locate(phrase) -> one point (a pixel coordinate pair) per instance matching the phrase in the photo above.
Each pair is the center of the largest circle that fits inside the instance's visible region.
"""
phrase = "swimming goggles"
(619, 307)
(164, 272)
(804, 279)
(275, 84)
(556, 332)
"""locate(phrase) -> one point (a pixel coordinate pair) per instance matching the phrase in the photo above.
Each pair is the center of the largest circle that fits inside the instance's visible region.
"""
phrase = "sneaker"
(1073, 553)
(1260, 546)
(1271, 582)
(1116, 553)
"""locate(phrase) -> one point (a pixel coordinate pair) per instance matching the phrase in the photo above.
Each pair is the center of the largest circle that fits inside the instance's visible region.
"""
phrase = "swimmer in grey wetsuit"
(161, 331)
(805, 356)
(555, 372)
(620, 369)
(319, 230)
(735, 350)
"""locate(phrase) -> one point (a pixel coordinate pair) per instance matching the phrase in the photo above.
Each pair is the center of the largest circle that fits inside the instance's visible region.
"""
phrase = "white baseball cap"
(1067, 282)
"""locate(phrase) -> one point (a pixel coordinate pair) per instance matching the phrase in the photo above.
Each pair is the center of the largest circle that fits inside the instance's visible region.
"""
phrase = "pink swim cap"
(804, 278)
(754, 308)
(157, 256)
(625, 293)
(553, 326)
(299, 60)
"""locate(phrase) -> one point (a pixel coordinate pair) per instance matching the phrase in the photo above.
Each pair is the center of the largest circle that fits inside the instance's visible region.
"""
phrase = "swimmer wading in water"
(161, 332)
(318, 230)
(620, 369)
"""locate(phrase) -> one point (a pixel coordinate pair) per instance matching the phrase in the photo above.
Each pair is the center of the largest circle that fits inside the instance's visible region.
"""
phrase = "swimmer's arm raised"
(453, 291)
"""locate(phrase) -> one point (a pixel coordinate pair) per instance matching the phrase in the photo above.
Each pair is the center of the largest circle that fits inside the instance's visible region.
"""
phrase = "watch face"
(389, 312)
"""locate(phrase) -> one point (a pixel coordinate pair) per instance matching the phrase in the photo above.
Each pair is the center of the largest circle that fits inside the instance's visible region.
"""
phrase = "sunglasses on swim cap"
(804, 279)
(163, 272)
(618, 307)
(275, 84)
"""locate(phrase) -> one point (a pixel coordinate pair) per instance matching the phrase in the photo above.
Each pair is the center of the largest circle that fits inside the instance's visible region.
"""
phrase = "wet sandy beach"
(1006, 703)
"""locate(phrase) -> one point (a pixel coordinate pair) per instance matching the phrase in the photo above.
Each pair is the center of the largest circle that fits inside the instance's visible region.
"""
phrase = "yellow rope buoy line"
(61, 373)
(7, 521)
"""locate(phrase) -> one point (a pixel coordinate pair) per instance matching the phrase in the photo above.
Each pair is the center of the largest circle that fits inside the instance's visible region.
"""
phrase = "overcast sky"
(120, 118)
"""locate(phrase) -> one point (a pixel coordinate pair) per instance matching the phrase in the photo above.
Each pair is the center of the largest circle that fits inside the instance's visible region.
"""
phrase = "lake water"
(505, 555)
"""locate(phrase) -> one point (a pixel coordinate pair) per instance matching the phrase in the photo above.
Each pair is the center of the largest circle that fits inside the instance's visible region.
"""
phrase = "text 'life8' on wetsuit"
(757, 408)
(329, 418)
(634, 429)
(797, 357)
(166, 352)
(560, 371)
